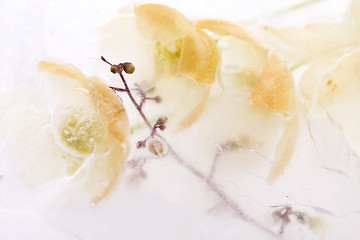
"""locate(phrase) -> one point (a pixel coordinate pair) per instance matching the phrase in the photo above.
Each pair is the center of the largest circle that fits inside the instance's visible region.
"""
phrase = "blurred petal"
(66, 71)
(224, 28)
(196, 112)
(160, 23)
(275, 90)
(242, 65)
(355, 11)
(314, 73)
(120, 40)
(111, 109)
(301, 44)
(102, 174)
(285, 148)
(180, 96)
(243, 55)
(229, 118)
(342, 79)
(200, 57)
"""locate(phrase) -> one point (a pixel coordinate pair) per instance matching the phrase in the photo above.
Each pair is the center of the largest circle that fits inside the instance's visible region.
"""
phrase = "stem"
(208, 180)
(116, 89)
(213, 166)
(211, 184)
(134, 101)
(215, 188)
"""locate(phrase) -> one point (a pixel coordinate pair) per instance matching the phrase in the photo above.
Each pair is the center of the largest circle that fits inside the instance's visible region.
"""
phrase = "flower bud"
(140, 144)
(162, 127)
(128, 67)
(114, 69)
(157, 99)
(162, 120)
(156, 148)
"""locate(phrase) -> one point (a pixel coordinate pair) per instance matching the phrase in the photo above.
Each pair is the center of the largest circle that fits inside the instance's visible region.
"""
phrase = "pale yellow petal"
(111, 109)
(102, 175)
(341, 80)
(275, 90)
(199, 58)
(314, 73)
(355, 11)
(63, 70)
(242, 65)
(301, 44)
(285, 148)
(160, 23)
(243, 55)
(119, 40)
(225, 28)
(195, 113)
(180, 95)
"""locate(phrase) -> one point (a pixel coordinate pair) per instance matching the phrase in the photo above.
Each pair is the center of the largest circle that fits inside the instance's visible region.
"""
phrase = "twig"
(217, 190)
(214, 164)
(137, 106)
(116, 89)
(160, 125)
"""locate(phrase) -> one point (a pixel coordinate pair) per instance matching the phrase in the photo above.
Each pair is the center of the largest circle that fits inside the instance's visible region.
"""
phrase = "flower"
(198, 53)
(269, 86)
(188, 61)
(70, 132)
(171, 53)
(327, 49)
(330, 84)
(182, 48)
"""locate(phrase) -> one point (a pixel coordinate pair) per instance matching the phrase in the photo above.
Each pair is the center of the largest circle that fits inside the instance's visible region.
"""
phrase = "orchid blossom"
(90, 128)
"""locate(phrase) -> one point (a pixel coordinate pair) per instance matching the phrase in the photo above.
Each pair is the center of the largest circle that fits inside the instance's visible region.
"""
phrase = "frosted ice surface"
(317, 197)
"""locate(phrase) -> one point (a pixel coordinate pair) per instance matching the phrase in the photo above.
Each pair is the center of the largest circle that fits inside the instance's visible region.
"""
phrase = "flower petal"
(285, 148)
(243, 56)
(314, 74)
(200, 57)
(99, 171)
(342, 79)
(275, 90)
(355, 11)
(242, 65)
(195, 113)
(160, 23)
(111, 109)
(225, 28)
(119, 37)
(301, 44)
(180, 96)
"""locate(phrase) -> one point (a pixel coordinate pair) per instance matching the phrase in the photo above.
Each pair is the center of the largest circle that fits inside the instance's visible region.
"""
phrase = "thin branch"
(116, 89)
(217, 190)
(134, 101)
(214, 164)
(207, 179)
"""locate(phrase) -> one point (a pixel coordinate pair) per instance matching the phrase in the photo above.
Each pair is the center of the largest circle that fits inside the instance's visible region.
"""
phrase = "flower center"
(81, 129)
(168, 54)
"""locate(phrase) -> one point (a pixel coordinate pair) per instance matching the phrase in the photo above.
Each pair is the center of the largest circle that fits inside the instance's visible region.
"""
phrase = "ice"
(212, 182)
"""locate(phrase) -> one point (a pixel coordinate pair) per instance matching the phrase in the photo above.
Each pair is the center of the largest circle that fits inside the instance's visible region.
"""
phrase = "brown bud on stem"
(162, 120)
(140, 144)
(157, 99)
(114, 69)
(162, 127)
(156, 148)
(128, 67)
